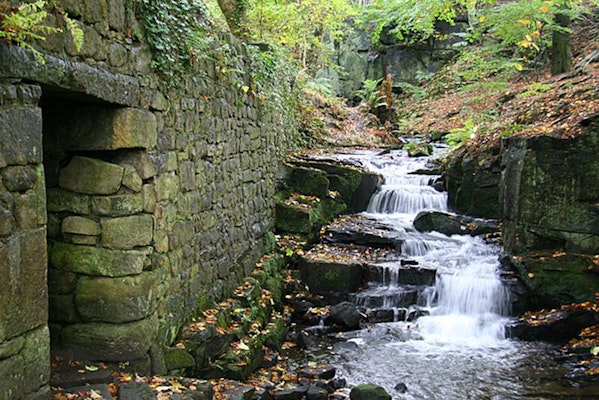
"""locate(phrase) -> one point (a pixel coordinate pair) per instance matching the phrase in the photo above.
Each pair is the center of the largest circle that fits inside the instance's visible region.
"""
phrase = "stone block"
(110, 342)
(149, 198)
(131, 179)
(98, 261)
(166, 186)
(127, 232)
(80, 226)
(91, 176)
(12, 376)
(116, 300)
(118, 205)
(11, 347)
(29, 210)
(36, 357)
(178, 358)
(60, 200)
(113, 129)
(19, 178)
(23, 288)
(7, 220)
(21, 133)
(140, 160)
(116, 15)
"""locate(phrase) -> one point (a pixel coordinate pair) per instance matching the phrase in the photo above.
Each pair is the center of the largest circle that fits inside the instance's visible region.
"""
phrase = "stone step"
(389, 296)
(402, 272)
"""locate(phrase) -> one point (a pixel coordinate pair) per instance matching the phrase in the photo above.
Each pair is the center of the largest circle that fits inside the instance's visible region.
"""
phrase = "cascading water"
(458, 349)
(471, 300)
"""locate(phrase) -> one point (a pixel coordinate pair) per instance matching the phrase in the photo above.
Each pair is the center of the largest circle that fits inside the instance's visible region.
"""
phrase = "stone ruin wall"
(151, 204)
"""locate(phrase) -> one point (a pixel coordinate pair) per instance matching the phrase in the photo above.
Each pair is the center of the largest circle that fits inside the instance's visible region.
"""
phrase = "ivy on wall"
(178, 32)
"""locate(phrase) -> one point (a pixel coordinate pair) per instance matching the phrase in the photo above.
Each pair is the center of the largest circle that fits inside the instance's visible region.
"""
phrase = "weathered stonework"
(154, 200)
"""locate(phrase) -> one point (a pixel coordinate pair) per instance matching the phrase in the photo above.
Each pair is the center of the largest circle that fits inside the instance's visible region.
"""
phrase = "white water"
(471, 300)
(459, 351)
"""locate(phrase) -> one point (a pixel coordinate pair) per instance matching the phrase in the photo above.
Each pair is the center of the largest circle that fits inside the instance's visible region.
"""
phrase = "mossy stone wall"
(156, 201)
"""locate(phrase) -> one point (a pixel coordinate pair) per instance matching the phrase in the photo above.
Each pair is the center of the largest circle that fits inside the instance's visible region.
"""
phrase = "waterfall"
(468, 300)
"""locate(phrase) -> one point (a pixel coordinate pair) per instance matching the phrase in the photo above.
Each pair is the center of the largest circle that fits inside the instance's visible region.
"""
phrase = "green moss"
(554, 281)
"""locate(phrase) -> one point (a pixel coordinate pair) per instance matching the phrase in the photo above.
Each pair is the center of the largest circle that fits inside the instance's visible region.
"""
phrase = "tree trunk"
(561, 55)
(234, 12)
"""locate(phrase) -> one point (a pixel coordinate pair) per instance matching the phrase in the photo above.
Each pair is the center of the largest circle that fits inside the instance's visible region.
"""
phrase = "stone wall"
(157, 202)
(24, 340)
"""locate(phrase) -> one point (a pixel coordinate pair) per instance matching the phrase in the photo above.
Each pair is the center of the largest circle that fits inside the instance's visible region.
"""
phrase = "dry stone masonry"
(123, 208)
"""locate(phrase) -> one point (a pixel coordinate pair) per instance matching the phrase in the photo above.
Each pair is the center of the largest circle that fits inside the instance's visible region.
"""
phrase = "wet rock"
(369, 391)
(418, 149)
(324, 372)
(387, 315)
(553, 279)
(346, 314)
(338, 383)
(316, 393)
(360, 230)
(90, 391)
(309, 181)
(449, 224)
(401, 387)
(324, 276)
(296, 393)
(473, 185)
(136, 391)
(408, 272)
(557, 326)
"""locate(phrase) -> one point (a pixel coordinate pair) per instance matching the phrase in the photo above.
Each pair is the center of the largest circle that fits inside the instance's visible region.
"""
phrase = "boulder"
(361, 230)
(369, 391)
(323, 275)
(551, 193)
(418, 149)
(556, 326)
(346, 315)
(553, 279)
(473, 185)
(451, 224)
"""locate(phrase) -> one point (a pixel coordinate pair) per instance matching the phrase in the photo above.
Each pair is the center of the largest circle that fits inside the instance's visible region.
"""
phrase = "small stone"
(401, 387)
(91, 176)
(80, 226)
(19, 178)
(131, 179)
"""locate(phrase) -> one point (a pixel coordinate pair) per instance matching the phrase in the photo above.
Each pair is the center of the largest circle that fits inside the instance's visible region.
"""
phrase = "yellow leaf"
(243, 346)
(482, 18)
(544, 9)
(525, 22)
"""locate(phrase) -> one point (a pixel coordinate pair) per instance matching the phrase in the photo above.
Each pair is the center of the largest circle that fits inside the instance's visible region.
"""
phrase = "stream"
(456, 348)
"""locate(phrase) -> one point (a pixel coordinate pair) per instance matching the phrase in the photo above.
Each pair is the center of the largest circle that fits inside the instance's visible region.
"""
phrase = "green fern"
(75, 31)
(22, 24)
